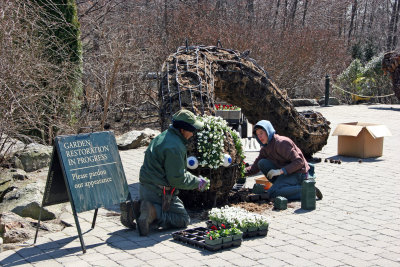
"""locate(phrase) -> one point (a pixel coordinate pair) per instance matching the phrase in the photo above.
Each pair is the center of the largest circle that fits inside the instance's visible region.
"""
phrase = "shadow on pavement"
(129, 239)
(302, 211)
(45, 251)
(206, 252)
(351, 159)
(385, 108)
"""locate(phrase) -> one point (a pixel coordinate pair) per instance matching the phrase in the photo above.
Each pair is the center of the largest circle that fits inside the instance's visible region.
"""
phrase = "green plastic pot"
(227, 239)
(263, 227)
(237, 237)
(213, 242)
(253, 229)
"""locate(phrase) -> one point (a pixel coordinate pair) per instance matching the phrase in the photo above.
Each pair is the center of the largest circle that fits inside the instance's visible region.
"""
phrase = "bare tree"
(392, 27)
(125, 43)
(293, 12)
(304, 13)
(278, 2)
(352, 20)
(34, 101)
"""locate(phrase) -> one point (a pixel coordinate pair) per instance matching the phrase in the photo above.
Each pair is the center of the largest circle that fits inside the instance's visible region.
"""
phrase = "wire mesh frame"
(200, 51)
(311, 132)
(279, 97)
(189, 65)
(207, 74)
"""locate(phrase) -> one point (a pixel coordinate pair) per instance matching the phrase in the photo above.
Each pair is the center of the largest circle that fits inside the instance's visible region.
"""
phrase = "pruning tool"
(167, 197)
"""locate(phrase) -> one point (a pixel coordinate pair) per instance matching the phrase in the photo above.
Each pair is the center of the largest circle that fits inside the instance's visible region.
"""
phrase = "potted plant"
(213, 219)
(242, 226)
(213, 238)
(225, 234)
(236, 233)
(252, 226)
(262, 225)
(238, 217)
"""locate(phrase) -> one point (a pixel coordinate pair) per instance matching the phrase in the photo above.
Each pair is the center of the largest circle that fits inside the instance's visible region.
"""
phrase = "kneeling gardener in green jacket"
(164, 172)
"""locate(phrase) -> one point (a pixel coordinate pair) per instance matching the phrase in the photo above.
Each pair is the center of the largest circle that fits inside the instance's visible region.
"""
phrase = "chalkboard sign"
(86, 168)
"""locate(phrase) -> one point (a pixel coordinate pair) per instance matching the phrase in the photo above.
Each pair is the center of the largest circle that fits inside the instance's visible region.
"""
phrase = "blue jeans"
(288, 186)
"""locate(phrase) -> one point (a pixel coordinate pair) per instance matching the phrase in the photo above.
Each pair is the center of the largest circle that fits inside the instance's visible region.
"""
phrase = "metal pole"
(38, 224)
(94, 217)
(327, 78)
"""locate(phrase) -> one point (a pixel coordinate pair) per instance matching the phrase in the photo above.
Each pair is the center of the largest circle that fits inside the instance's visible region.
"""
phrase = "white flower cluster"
(210, 141)
(237, 217)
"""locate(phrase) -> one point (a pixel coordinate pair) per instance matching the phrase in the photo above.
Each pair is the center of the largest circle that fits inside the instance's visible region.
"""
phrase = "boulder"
(332, 101)
(33, 157)
(18, 174)
(26, 202)
(135, 139)
(304, 102)
(14, 228)
(7, 178)
(5, 186)
(10, 146)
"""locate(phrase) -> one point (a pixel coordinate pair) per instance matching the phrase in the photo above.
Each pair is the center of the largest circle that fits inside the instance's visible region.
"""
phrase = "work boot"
(127, 214)
(136, 209)
(148, 215)
(318, 193)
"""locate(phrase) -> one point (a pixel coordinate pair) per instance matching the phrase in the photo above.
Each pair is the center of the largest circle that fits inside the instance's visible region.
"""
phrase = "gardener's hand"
(246, 170)
(203, 183)
(273, 173)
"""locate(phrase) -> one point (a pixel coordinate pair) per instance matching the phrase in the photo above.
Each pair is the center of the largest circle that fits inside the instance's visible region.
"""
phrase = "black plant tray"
(195, 236)
(245, 234)
(255, 233)
(237, 187)
(256, 197)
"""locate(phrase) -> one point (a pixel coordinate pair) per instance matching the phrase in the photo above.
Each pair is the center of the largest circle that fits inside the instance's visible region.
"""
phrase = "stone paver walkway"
(356, 224)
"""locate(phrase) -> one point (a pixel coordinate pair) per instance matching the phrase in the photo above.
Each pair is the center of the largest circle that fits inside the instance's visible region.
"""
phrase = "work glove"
(203, 183)
(273, 173)
(246, 170)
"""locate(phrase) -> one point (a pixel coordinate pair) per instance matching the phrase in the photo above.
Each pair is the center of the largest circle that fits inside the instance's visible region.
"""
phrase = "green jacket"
(165, 163)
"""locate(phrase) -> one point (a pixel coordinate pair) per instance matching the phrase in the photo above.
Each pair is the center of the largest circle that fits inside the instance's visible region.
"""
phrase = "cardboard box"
(360, 140)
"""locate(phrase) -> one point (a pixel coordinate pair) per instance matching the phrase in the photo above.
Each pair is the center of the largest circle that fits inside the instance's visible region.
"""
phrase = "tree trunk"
(250, 11)
(364, 16)
(371, 17)
(165, 22)
(395, 33)
(304, 13)
(285, 11)
(109, 91)
(389, 43)
(278, 2)
(353, 15)
(293, 12)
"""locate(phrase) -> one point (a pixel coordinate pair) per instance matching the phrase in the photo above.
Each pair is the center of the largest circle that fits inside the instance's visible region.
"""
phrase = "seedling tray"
(247, 234)
(195, 237)
(237, 187)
